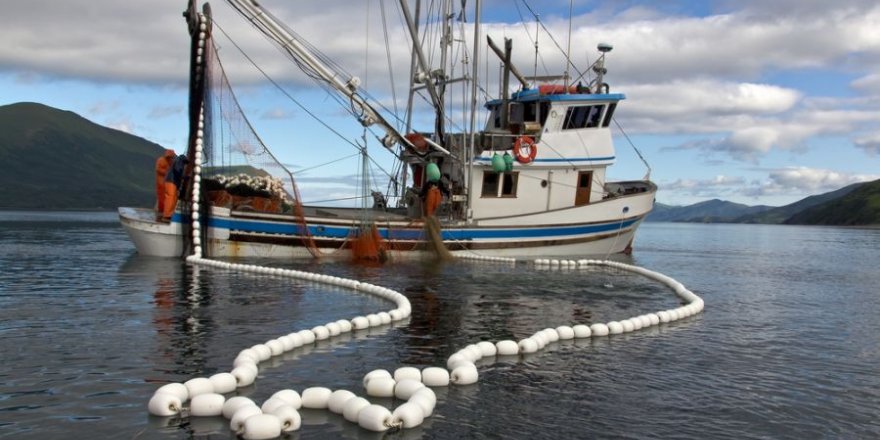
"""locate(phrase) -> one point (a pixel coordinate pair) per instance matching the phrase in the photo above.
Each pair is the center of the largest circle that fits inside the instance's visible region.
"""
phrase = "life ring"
(525, 149)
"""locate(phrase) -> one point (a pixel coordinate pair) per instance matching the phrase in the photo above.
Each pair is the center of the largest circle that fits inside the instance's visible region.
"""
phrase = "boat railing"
(625, 188)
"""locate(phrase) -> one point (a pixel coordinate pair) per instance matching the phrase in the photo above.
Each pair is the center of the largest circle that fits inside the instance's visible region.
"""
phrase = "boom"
(277, 32)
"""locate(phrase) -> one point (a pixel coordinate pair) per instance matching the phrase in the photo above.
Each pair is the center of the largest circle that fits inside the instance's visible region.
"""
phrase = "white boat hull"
(603, 228)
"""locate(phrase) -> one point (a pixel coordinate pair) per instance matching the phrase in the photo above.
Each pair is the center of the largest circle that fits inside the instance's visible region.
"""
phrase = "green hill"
(783, 213)
(56, 159)
(857, 208)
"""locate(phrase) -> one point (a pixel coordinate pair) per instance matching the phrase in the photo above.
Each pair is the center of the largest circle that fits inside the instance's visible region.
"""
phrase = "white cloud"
(806, 181)
(868, 84)
(869, 143)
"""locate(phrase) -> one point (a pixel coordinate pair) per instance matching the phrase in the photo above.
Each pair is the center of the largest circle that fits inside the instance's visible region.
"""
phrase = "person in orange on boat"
(173, 179)
(162, 165)
(432, 195)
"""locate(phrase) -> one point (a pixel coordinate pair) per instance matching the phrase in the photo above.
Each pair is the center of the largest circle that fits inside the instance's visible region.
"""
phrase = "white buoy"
(233, 404)
(565, 332)
(457, 359)
(405, 388)
(375, 418)
(360, 323)
(653, 318)
(316, 397)
(627, 325)
(374, 320)
(206, 405)
(333, 328)
(374, 374)
(275, 347)
(507, 348)
(614, 328)
(223, 383)
(473, 352)
(344, 325)
(424, 402)
(175, 389)
(338, 399)
(263, 352)
(599, 329)
(244, 375)
(321, 333)
(435, 377)
(551, 333)
(286, 342)
(236, 423)
(408, 415)
(384, 317)
(581, 331)
(407, 373)
(289, 418)
(297, 339)
(487, 348)
(290, 396)
(663, 316)
(381, 387)
(353, 407)
(273, 403)
(199, 385)
(465, 374)
(164, 404)
(262, 427)
(528, 345)
(307, 336)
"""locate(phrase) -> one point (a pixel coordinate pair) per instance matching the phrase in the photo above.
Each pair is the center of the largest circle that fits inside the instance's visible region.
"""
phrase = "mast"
(425, 75)
(473, 128)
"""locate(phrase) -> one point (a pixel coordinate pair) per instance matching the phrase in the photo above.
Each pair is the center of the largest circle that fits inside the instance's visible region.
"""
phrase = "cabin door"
(582, 194)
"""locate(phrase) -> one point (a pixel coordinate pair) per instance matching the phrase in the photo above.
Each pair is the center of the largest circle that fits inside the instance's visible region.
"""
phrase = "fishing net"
(239, 171)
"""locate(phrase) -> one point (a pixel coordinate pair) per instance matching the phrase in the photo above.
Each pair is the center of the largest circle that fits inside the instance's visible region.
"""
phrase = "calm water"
(788, 346)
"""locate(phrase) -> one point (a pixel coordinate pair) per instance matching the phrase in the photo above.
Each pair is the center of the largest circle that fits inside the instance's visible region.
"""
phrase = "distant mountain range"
(56, 159)
(856, 204)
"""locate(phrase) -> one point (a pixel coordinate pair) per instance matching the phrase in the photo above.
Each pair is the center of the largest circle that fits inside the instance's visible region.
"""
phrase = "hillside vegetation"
(56, 159)
(859, 207)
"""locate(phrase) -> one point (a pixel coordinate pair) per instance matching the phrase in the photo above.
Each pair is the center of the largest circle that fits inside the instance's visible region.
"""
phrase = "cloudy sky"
(754, 101)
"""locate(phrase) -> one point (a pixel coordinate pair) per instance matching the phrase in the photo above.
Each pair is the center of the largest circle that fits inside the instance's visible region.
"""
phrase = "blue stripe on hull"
(319, 231)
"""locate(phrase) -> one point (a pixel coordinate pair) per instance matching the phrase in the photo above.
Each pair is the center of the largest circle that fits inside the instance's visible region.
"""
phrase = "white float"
(206, 405)
(316, 397)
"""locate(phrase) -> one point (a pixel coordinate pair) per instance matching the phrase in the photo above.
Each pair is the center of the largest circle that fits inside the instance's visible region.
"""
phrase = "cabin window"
(505, 182)
(545, 110)
(530, 112)
(583, 116)
(496, 116)
(609, 114)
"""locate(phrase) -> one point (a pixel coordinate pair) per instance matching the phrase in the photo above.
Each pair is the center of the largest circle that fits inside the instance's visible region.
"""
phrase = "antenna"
(568, 49)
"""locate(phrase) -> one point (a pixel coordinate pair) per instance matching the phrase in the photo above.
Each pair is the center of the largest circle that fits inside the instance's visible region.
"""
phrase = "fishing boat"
(531, 182)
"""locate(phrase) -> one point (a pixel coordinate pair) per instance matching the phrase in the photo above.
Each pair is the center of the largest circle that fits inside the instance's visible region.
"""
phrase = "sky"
(752, 101)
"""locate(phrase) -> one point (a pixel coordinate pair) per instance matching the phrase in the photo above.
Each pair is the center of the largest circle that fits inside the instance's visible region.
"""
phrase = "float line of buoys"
(279, 413)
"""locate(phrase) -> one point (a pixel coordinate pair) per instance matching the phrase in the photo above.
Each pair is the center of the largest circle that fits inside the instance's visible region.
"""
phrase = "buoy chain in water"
(279, 413)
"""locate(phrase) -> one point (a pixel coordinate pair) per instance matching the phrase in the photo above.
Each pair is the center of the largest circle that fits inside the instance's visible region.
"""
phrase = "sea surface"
(788, 346)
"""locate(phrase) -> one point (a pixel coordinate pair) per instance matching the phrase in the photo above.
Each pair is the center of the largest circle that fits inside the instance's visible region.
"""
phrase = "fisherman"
(173, 180)
(433, 190)
(163, 163)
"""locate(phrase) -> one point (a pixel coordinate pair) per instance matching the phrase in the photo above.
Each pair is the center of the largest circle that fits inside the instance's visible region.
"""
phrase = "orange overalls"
(432, 200)
(162, 165)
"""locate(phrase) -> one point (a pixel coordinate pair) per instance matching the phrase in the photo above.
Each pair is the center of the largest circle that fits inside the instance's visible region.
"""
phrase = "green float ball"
(498, 164)
(433, 172)
(508, 162)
